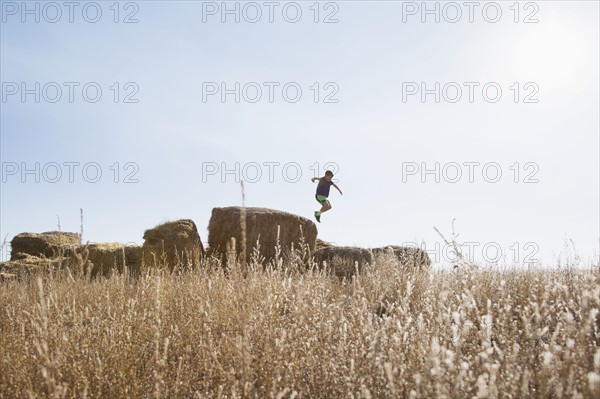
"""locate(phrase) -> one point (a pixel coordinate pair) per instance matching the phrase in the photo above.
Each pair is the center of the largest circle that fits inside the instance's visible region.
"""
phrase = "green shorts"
(321, 199)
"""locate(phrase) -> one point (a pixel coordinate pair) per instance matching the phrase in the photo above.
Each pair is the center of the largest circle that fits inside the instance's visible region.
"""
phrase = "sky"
(483, 117)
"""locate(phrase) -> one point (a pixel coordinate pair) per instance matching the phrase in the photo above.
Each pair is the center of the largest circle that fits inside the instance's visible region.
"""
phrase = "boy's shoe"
(318, 217)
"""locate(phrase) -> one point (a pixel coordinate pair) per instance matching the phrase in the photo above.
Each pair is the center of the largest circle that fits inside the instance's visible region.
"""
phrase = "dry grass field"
(289, 332)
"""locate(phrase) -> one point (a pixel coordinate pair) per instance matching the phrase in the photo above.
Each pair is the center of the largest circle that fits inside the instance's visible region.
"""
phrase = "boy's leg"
(326, 206)
(318, 213)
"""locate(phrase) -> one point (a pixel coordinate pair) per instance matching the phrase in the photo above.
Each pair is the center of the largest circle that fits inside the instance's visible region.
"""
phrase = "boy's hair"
(329, 173)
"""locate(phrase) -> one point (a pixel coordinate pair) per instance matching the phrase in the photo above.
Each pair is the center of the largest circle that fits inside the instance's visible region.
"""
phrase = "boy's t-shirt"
(323, 187)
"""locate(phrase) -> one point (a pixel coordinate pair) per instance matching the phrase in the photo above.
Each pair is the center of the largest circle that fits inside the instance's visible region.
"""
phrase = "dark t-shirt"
(323, 187)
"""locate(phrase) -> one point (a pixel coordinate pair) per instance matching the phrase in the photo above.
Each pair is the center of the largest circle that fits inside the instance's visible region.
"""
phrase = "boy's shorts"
(321, 199)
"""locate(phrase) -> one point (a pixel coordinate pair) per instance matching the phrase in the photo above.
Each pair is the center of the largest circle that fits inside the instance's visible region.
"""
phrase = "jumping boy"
(323, 192)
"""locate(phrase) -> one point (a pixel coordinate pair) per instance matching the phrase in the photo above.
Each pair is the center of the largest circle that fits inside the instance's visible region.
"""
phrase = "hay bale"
(4, 277)
(19, 256)
(409, 257)
(170, 242)
(27, 265)
(48, 244)
(262, 227)
(342, 261)
(323, 244)
(106, 257)
(133, 257)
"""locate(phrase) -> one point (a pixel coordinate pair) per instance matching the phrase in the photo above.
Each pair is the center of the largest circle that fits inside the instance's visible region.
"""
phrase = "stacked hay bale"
(109, 257)
(264, 226)
(409, 257)
(172, 244)
(323, 244)
(347, 261)
(48, 244)
(24, 265)
(343, 261)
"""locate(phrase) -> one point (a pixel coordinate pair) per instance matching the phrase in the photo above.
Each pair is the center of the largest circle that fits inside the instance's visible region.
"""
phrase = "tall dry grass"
(287, 332)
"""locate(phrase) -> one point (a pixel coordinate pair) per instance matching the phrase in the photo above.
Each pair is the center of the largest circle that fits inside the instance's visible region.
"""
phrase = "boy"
(323, 192)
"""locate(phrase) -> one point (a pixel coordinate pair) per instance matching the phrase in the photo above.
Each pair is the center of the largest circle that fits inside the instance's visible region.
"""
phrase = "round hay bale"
(169, 243)
(48, 244)
(262, 226)
(342, 261)
(409, 257)
(109, 256)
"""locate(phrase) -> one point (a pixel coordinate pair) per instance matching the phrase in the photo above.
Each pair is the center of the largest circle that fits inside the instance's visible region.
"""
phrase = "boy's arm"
(337, 188)
(314, 178)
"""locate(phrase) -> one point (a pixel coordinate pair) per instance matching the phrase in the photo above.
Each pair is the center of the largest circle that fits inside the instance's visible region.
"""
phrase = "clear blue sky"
(369, 57)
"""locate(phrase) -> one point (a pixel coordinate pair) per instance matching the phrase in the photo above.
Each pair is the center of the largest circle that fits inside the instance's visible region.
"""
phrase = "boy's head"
(328, 175)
